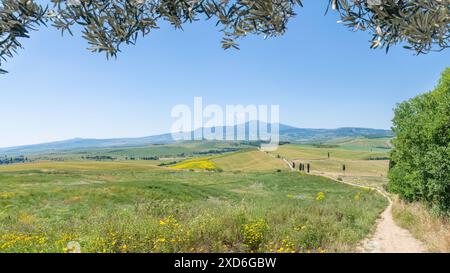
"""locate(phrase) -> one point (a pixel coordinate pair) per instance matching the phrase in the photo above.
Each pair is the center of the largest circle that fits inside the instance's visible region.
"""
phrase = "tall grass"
(433, 230)
(148, 210)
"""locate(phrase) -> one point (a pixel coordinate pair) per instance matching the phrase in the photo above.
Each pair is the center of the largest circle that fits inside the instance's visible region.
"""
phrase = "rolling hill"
(287, 133)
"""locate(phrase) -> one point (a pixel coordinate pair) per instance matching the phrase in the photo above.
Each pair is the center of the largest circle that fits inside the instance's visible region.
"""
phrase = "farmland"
(243, 161)
(362, 166)
(248, 202)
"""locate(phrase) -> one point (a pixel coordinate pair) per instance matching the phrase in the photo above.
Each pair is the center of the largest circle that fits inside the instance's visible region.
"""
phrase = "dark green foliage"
(215, 151)
(106, 24)
(167, 163)
(99, 157)
(149, 158)
(11, 160)
(423, 24)
(17, 18)
(420, 160)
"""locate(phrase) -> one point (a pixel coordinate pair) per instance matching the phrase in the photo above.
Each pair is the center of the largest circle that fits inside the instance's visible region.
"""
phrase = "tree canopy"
(422, 25)
(420, 160)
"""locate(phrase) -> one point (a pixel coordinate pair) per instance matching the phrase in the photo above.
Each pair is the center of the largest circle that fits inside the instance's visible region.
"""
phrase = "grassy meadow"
(167, 151)
(359, 156)
(242, 161)
(364, 166)
(381, 144)
(247, 202)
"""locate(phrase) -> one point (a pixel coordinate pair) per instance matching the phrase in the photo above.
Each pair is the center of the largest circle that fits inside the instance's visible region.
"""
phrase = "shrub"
(254, 234)
(312, 237)
(420, 159)
(320, 196)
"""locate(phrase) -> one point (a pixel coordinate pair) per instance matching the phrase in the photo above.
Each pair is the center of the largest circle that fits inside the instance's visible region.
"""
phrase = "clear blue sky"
(321, 74)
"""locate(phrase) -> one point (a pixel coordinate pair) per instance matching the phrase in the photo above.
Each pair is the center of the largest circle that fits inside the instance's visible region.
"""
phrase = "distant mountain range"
(287, 133)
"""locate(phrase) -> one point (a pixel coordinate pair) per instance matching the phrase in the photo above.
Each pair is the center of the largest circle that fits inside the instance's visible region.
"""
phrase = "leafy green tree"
(107, 24)
(420, 159)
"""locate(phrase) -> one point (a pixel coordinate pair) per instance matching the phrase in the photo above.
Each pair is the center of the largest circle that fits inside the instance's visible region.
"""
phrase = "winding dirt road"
(388, 236)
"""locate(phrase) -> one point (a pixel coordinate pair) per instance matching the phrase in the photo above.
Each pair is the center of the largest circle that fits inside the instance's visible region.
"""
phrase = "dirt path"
(388, 236)
(289, 164)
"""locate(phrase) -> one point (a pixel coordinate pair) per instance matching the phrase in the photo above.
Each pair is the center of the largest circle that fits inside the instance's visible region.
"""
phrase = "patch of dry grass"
(434, 231)
(251, 161)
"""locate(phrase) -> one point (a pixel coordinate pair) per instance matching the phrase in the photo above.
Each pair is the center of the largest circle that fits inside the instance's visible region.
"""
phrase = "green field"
(293, 151)
(363, 144)
(251, 161)
(137, 206)
(363, 166)
(243, 161)
(168, 151)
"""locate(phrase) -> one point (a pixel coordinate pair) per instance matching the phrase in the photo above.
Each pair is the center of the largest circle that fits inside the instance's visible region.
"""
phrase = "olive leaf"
(419, 25)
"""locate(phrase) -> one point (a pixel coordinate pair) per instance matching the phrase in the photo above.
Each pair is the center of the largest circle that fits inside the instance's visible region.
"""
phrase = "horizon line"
(168, 133)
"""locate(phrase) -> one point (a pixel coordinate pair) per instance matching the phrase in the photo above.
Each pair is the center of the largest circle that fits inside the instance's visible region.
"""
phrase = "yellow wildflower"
(320, 196)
